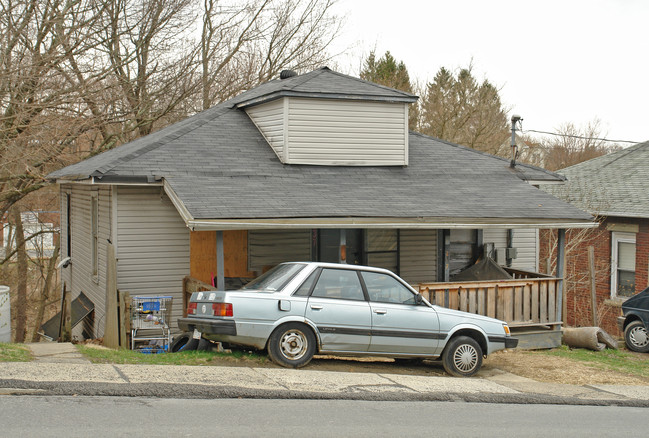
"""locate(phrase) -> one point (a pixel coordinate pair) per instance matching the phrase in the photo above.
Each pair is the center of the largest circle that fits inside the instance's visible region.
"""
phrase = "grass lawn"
(14, 353)
(622, 361)
(105, 355)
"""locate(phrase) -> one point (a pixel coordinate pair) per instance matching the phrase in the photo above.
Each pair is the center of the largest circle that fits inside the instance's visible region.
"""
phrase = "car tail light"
(191, 309)
(222, 309)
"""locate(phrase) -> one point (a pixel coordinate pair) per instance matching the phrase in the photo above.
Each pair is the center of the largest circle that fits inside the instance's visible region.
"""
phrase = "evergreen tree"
(462, 110)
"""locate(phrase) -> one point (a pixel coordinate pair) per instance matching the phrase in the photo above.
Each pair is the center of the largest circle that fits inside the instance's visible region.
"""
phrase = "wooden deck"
(529, 300)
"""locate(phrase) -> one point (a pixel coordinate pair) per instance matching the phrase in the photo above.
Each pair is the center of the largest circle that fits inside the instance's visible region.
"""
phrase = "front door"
(340, 312)
(330, 242)
(399, 325)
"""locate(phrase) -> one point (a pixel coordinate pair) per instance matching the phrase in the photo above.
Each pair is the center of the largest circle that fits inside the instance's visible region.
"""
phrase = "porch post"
(220, 265)
(561, 255)
(443, 254)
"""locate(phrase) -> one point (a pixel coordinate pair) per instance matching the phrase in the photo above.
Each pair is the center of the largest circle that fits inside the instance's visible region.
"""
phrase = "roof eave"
(360, 97)
(382, 223)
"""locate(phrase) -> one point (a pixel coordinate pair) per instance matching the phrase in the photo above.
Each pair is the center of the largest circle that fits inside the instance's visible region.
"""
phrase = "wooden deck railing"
(530, 299)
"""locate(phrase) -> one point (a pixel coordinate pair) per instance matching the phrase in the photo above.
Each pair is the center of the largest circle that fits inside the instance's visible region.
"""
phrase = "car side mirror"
(418, 299)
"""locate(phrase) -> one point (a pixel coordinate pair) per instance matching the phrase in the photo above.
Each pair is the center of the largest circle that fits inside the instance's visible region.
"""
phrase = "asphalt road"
(52, 416)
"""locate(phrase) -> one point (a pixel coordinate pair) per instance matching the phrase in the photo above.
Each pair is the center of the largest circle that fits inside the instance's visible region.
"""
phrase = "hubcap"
(638, 336)
(293, 344)
(465, 358)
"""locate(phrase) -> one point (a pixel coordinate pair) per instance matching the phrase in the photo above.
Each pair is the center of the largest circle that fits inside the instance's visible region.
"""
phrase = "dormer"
(329, 119)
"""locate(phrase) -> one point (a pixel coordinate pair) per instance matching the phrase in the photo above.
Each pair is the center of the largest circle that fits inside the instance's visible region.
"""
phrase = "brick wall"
(577, 281)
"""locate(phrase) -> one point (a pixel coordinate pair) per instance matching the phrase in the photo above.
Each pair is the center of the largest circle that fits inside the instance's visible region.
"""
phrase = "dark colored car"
(635, 322)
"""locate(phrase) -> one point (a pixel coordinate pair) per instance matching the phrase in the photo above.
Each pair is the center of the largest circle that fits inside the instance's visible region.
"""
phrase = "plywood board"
(202, 254)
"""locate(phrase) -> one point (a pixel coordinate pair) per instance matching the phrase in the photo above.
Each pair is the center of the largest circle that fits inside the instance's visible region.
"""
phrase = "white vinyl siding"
(78, 277)
(269, 119)
(152, 246)
(332, 132)
(337, 132)
(525, 242)
(418, 252)
(267, 248)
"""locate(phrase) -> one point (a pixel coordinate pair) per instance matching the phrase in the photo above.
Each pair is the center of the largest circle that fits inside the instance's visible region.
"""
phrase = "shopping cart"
(150, 317)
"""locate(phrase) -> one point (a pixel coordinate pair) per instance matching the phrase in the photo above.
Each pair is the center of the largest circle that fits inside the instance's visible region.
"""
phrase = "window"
(383, 288)
(383, 249)
(338, 283)
(275, 279)
(303, 291)
(622, 264)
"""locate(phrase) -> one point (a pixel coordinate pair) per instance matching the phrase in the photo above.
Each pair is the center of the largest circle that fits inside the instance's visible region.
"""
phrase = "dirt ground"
(530, 364)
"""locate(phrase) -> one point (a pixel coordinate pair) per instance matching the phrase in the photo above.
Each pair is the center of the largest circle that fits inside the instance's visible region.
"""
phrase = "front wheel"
(292, 345)
(462, 357)
(636, 337)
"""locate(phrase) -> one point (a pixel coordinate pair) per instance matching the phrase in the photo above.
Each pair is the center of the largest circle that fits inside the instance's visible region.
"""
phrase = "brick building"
(614, 188)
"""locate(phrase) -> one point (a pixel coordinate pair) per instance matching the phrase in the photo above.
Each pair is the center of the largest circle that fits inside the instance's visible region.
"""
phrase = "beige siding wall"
(269, 119)
(152, 246)
(524, 241)
(418, 255)
(78, 277)
(267, 248)
(335, 132)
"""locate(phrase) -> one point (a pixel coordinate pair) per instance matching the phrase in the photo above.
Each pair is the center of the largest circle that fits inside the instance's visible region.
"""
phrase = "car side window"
(305, 288)
(342, 284)
(383, 288)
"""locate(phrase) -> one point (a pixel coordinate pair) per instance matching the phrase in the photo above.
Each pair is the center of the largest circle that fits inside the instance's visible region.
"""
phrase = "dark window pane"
(625, 283)
(383, 288)
(338, 283)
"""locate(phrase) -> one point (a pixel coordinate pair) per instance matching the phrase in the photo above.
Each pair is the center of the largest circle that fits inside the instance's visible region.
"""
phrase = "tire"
(462, 357)
(183, 342)
(204, 345)
(292, 345)
(636, 337)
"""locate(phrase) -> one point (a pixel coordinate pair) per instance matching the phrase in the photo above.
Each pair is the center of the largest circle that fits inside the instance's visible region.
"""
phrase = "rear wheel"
(462, 357)
(292, 345)
(636, 337)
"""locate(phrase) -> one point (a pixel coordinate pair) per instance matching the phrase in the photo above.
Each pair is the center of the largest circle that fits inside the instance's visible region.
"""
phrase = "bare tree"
(575, 145)
(244, 45)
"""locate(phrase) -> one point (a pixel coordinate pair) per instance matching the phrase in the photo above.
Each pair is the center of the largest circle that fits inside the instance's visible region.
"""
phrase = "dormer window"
(358, 124)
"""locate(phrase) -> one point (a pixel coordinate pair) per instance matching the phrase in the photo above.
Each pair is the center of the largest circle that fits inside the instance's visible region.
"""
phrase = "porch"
(529, 302)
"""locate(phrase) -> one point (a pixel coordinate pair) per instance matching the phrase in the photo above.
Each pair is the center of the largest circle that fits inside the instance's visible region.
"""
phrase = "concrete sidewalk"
(60, 369)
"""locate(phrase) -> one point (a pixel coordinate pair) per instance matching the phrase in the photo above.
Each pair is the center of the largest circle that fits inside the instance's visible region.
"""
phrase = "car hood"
(638, 301)
(466, 315)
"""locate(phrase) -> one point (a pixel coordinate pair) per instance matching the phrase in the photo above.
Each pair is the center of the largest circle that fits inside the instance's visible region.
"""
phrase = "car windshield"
(276, 278)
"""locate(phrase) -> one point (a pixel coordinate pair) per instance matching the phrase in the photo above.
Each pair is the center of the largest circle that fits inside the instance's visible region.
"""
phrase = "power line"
(579, 136)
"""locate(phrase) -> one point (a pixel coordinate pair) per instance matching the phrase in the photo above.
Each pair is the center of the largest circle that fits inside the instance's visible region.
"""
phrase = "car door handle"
(314, 307)
(380, 311)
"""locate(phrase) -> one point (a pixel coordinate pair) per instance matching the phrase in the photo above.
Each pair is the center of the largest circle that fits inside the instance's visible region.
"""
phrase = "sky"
(555, 61)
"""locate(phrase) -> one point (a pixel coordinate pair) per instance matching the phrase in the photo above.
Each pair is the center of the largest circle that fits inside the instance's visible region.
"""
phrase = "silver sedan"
(296, 310)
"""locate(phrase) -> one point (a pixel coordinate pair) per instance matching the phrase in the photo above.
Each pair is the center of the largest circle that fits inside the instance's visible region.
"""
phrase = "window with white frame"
(622, 264)
(94, 233)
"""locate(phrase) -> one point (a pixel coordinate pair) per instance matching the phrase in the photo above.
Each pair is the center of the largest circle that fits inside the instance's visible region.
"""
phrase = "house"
(614, 188)
(318, 166)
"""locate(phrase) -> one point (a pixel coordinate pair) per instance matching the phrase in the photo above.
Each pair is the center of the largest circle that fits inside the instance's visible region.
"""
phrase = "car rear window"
(276, 278)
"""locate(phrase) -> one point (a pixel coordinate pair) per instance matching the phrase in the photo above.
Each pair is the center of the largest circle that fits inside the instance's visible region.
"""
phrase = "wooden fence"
(522, 301)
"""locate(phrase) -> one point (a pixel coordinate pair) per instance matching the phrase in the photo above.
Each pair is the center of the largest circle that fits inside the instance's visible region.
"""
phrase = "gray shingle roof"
(611, 185)
(220, 167)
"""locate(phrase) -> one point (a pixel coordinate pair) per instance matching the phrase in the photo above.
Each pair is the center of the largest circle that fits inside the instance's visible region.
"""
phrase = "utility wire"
(579, 136)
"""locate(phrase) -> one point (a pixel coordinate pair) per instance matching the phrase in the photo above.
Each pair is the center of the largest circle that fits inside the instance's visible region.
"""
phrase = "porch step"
(537, 339)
